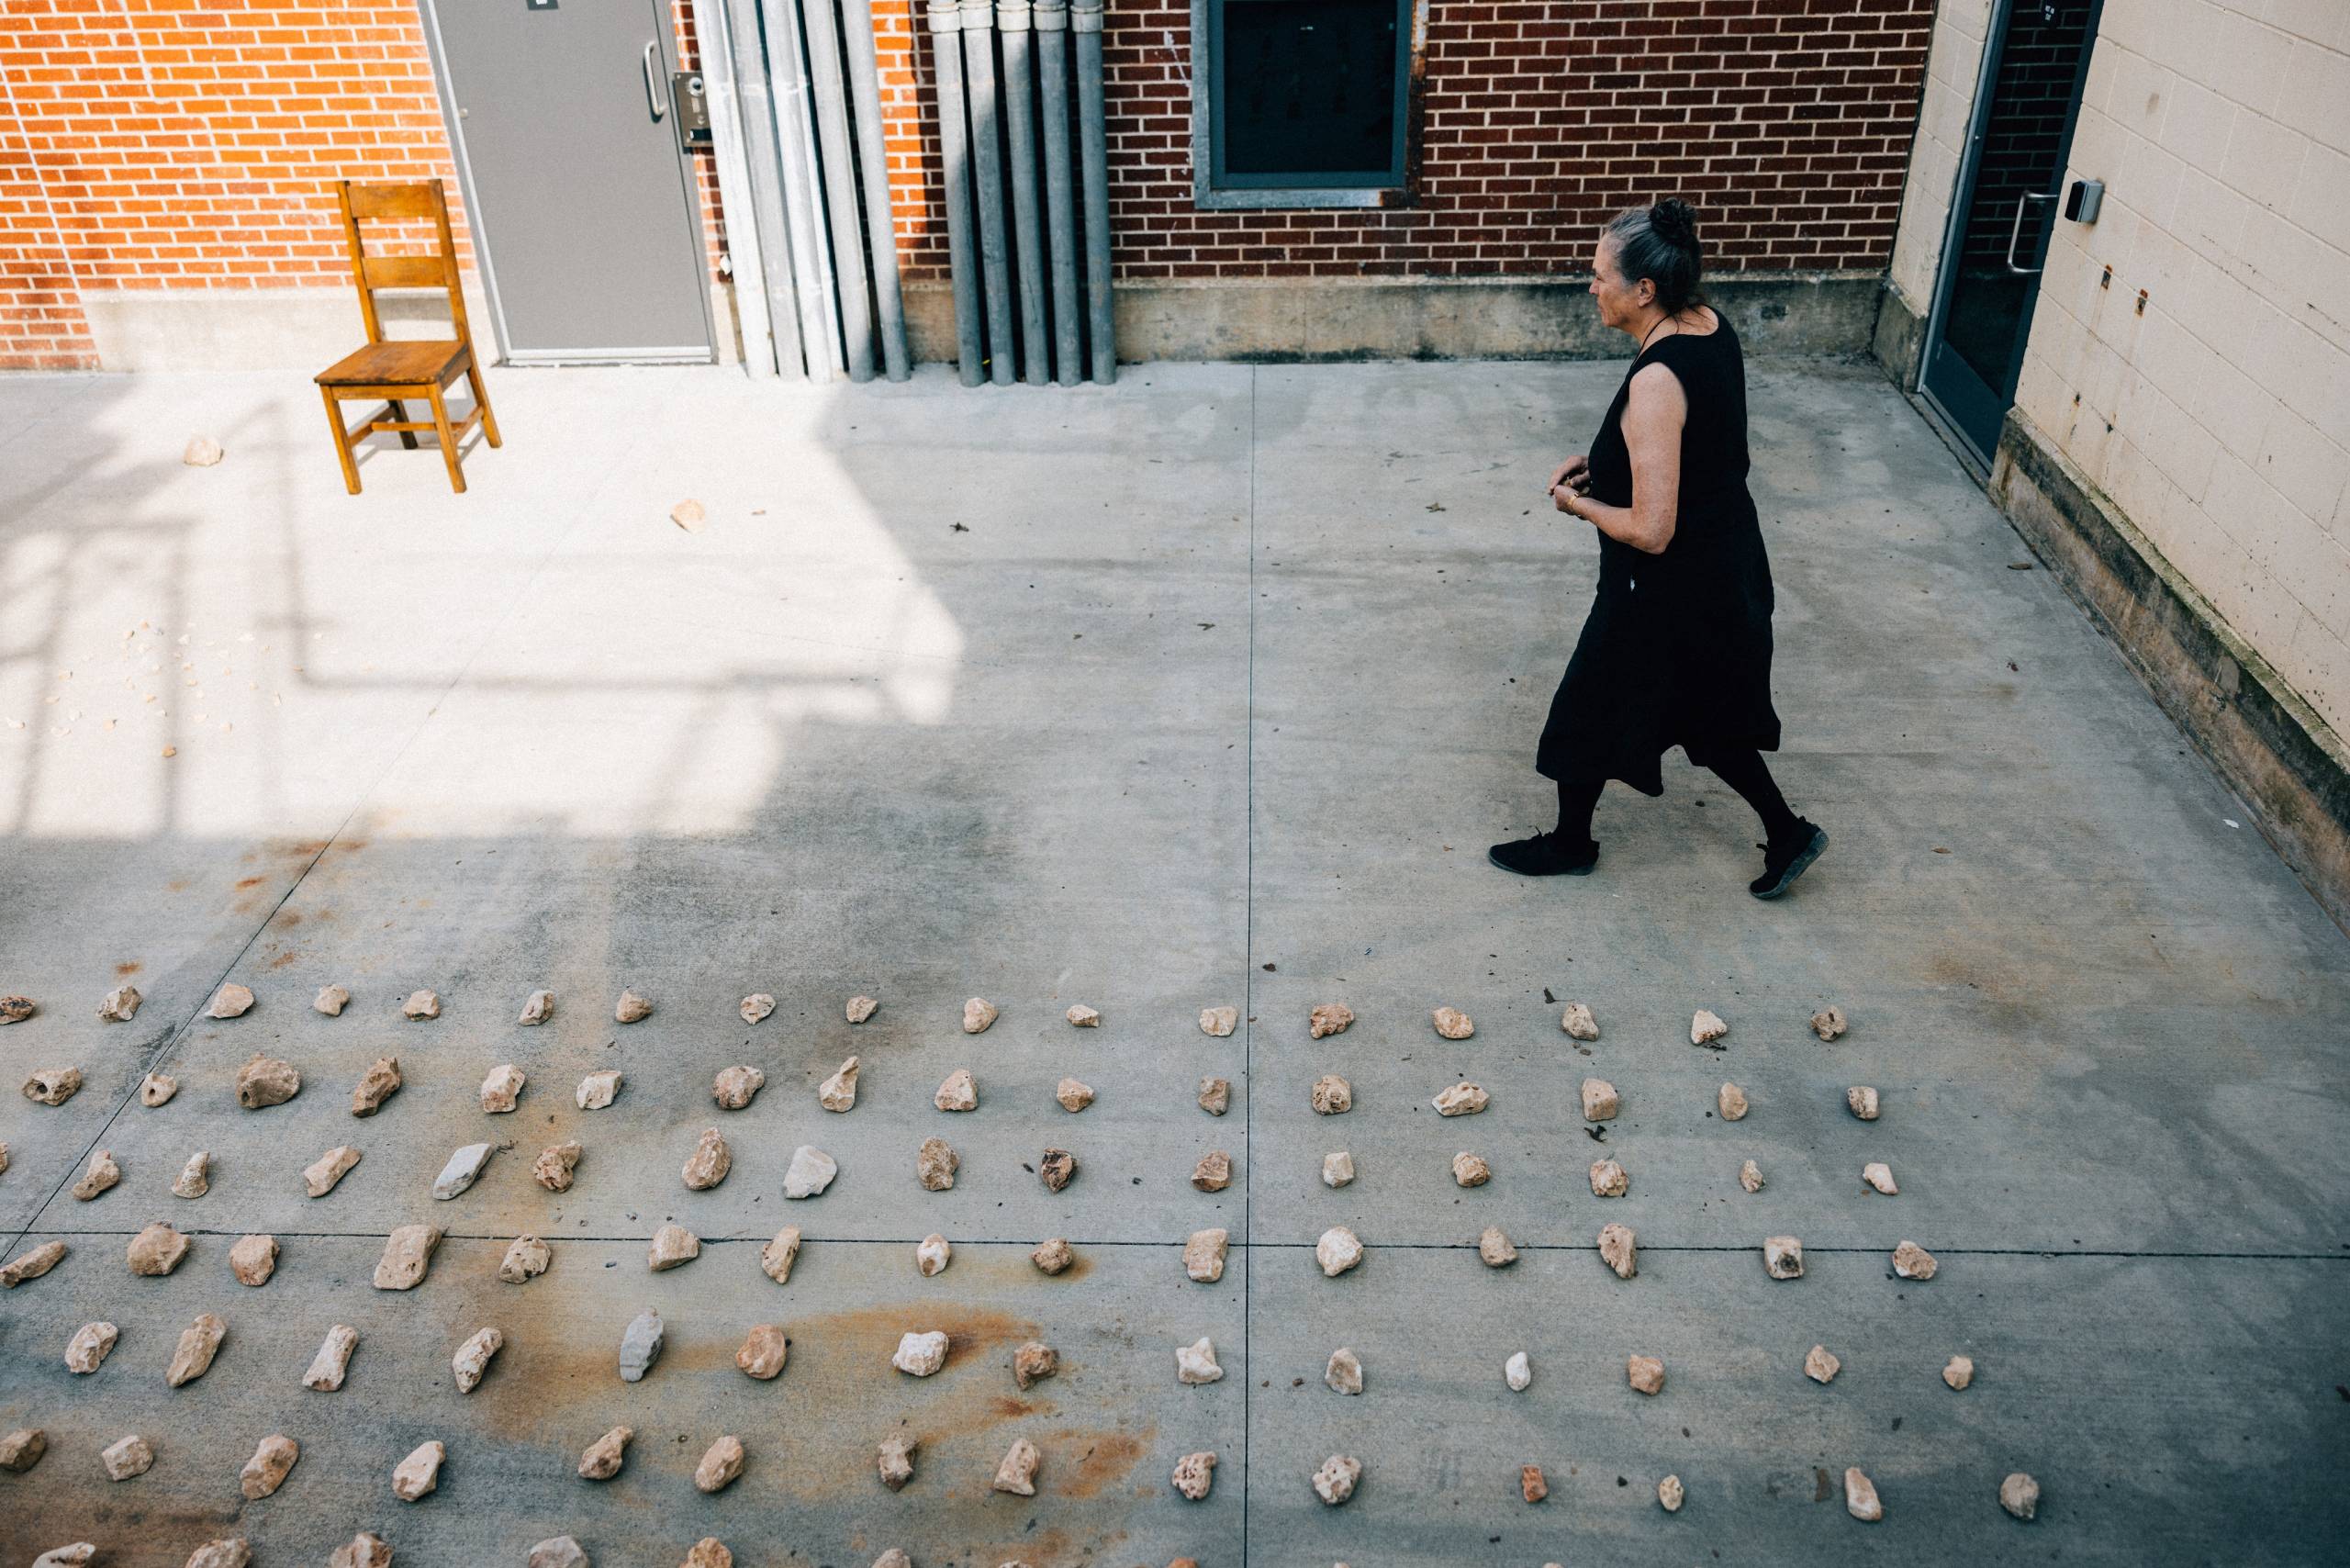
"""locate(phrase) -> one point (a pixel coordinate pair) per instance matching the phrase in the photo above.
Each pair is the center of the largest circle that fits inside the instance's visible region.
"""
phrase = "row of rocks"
(367, 1549)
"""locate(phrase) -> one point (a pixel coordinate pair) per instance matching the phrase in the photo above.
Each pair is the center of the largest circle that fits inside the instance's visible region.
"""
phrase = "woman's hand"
(1574, 474)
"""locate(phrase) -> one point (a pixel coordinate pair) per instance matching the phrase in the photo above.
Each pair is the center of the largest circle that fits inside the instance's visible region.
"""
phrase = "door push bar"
(660, 109)
(2016, 232)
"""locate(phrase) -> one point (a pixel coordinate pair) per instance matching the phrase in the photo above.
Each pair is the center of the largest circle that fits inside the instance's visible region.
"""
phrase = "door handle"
(2016, 232)
(653, 97)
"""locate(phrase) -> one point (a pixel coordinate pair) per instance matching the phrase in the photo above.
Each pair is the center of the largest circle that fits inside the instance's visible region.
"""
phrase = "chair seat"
(401, 362)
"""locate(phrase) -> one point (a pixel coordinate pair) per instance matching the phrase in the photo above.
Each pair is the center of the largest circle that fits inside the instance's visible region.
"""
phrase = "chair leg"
(400, 411)
(448, 442)
(481, 401)
(341, 440)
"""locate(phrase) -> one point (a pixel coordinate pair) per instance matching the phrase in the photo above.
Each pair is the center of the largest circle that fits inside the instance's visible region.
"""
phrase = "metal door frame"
(444, 88)
(1995, 40)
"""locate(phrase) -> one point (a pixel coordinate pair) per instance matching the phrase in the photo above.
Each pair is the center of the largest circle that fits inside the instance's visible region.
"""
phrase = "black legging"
(1743, 770)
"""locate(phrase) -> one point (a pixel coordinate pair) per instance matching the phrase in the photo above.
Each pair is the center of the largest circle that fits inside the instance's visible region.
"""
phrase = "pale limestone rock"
(1471, 1169)
(1202, 1255)
(267, 1471)
(332, 1000)
(978, 1013)
(1645, 1374)
(810, 1173)
(264, 1081)
(53, 1085)
(1195, 1362)
(1056, 1167)
(73, 1556)
(673, 1247)
(1033, 1361)
(365, 1550)
(1073, 1095)
(525, 1260)
(1828, 1022)
(378, 1084)
(1531, 1485)
(765, 1349)
(1214, 1172)
(707, 1166)
(416, 1476)
(1859, 1496)
(708, 1552)
(333, 1360)
(1052, 1256)
(1730, 1101)
(860, 1008)
(1493, 1249)
(935, 1164)
(1215, 1095)
(1452, 1024)
(630, 1008)
(1518, 1372)
(471, 1363)
(895, 1461)
(1821, 1365)
(1017, 1472)
(1670, 1493)
(2019, 1495)
(156, 1250)
(103, 1175)
(1877, 1177)
(919, 1354)
(15, 1009)
(1335, 1482)
(1607, 1178)
(200, 1342)
(1959, 1371)
(777, 1256)
(1912, 1262)
(230, 1002)
(126, 1457)
(1083, 1018)
(1338, 1168)
(757, 1005)
(1578, 1021)
(31, 1265)
(1219, 1021)
(463, 1169)
(321, 1175)
(156, 1089)
(1861, 1101)
(553, 1166)
(253, 1258)
(735, 1087)
(1332, 1095)
(88, 1350)
(121, 1005)
(596, 1090)
(1337, 1251)
(537, 1008)
(408, 1253)
(1707, 1028)
(1619, 1249)
(959, 1092)
(932, 1254)
(502, 1090)
(1600, 1101)
(201, 452)
(720, 1466)
(1783, 1257)
(1330, 1018)
(1461, 1100)
(603, 1458)
(838, 1093)
(1194, 1474)
(22, 1449)
(1344, 1375)
(421, 1006)
(640, 1345)
(558, 1551)
(1750, 1176)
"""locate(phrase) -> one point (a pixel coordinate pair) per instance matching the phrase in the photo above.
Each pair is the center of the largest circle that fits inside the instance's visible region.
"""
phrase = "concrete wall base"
(1899, 340)
(2270, 745)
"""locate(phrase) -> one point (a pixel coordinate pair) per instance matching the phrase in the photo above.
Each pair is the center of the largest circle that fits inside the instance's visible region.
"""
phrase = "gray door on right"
(584, 198)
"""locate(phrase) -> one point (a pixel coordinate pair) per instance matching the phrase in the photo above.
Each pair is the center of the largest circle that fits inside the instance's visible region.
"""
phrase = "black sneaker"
(1545, 854)
(1784, 861)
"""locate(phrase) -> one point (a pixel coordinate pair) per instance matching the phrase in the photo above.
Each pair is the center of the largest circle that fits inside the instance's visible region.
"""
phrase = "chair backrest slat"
(403, 272)
(437, 269)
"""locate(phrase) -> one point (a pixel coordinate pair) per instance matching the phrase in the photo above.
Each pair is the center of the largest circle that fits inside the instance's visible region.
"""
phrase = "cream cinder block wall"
(1954, 72)
(2217, 417)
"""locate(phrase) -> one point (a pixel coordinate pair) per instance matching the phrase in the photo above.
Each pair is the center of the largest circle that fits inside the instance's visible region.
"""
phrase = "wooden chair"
(400, 369)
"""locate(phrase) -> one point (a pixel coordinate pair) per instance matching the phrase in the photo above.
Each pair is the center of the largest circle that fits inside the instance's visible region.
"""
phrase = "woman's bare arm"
(1653, 414)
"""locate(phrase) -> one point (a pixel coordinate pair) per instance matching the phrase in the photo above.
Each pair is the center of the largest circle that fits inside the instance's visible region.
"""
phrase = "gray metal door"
(580, 195)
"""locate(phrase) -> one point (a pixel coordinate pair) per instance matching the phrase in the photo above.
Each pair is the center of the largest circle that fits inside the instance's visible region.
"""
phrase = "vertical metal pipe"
(873, 169)
(812, 265)
(840, 186)
(1061, 194)
(954, 150)
(987, 169)
(733, 129)
(1020, 124)
(1085, 20)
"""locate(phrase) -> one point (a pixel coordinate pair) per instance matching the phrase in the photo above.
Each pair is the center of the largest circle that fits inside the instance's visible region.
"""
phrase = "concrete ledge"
(1351, 318)
(1898, 343)
(2270, 745)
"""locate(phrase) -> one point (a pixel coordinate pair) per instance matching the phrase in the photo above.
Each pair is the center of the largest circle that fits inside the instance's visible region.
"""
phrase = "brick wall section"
(1786, 122)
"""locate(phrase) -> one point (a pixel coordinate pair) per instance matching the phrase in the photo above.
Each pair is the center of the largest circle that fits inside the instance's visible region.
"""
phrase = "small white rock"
(1461, 1100)
(755, 1006)
(978, 1013)
(121, 1005)
(673, 1247)
(959, 1092)
(1821, 1365)
(919, 1354)
(1959, 1371)
(1334, 1483)
(1859, 1496)
(1195, 1362)
(1344, 1375)
(1783, 1257)
(1578, 1021)
(421, 1005)
(537, 1008)
(838, 1093)
(502, 1089)
(1337, 1251)
(735, 1087)
(1707, 1028)
(1670, 1493)
(1912, 1262)
(1750, 1176)
(1619, 1249)
(1730, 1101)
(630, 1008)
(1600, 1101)
(1219, 1021)
(464, 1168)
(1861, 1101)
(1337, 1169)
(419, 1474)
(2019, 1495)
(332, 1000)
(860, 1008)
(471, 1363)
(1877, 1176)
(328, 1367)
(1083, 1018)
(812, 1171)
(931, 1255)
(596, 1091)
(1518, 1372)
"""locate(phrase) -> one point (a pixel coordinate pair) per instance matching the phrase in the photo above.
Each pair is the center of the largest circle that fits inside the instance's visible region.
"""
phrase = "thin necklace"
(1650, 333)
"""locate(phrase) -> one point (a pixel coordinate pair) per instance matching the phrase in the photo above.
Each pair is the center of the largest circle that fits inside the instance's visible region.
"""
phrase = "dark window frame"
(1213, 188)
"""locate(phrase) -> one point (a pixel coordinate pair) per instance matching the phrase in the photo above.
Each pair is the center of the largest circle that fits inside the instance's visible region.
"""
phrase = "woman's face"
(1620, 302)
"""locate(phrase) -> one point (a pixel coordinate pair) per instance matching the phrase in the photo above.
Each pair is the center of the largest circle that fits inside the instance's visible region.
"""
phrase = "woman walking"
(1677, 648)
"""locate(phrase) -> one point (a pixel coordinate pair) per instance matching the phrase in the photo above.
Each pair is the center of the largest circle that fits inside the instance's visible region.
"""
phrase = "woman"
(1677, 649)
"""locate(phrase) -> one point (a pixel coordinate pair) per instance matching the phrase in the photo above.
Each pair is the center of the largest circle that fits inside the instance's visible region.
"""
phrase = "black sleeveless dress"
(1677, 647)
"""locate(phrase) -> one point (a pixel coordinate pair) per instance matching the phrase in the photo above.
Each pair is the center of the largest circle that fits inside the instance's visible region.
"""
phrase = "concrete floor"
(1208, 688)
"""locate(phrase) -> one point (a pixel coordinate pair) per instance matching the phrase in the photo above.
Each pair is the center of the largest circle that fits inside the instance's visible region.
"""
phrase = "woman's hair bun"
(1675, 221)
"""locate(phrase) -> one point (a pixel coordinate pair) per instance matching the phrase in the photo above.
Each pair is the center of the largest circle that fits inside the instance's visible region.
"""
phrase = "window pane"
(1309, 88)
